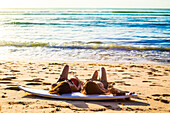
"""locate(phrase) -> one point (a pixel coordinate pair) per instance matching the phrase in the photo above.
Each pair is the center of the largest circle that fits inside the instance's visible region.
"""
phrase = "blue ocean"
(86, 35)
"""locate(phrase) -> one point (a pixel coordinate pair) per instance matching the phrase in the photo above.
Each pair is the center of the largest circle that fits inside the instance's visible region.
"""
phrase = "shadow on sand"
(89, 105)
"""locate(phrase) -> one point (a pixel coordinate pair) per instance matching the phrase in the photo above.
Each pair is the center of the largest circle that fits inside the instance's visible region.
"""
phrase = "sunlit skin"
(85, 4)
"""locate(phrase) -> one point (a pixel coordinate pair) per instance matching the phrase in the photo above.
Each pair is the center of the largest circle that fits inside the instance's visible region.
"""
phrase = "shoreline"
(150, 82)
(27, 60)
(43, 54)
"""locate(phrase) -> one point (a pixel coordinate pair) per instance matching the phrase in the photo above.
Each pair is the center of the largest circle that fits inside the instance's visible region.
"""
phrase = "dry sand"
(150, 82)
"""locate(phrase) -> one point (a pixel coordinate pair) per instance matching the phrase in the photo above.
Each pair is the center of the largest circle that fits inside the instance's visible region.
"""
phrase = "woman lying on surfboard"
(65, 85)
(99, 85)
(92, 86)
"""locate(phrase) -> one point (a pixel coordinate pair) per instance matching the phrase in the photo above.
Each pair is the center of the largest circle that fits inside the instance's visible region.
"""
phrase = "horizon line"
(85, 8)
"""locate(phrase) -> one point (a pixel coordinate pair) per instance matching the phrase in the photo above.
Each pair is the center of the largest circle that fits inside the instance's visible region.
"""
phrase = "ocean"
(112, 35)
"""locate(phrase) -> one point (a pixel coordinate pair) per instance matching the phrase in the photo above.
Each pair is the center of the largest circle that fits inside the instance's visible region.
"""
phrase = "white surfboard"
(74, 95)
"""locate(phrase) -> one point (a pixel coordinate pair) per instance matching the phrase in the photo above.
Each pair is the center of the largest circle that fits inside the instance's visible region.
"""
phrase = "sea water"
(85, 34)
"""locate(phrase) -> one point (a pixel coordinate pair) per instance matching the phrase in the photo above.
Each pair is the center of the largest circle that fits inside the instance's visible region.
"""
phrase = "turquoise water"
(107, 35)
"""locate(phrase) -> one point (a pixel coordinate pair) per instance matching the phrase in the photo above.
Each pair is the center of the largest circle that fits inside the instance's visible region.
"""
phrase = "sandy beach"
(150, 82)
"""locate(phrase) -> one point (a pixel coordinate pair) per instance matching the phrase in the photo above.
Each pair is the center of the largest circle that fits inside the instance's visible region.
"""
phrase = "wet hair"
(61, 88)
(91, 87)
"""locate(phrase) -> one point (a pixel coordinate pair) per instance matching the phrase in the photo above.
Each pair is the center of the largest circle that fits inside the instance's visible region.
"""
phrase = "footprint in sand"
(153, 79)
(34, 83)
(157, 74)
(160, 98)
(145, 81)
(156, 95)
(5, 82)
(7, 77)
(46, 83)
(12, 88)
(156, 85)
(164, 95)
(127, 77)
(15, 71)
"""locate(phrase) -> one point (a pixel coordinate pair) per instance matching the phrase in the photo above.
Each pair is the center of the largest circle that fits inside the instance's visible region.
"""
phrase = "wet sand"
(150, 82)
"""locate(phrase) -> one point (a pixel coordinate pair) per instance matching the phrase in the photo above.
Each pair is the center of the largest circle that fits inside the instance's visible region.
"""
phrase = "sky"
(85, 4)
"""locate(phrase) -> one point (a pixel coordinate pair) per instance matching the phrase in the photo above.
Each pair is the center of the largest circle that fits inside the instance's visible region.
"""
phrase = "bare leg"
(117, 91)
(94, 76)
(103, 78)
(103, 74)
(64, 74)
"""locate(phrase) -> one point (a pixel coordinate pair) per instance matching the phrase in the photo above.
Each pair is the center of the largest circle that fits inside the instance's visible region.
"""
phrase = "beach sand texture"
(150, 82)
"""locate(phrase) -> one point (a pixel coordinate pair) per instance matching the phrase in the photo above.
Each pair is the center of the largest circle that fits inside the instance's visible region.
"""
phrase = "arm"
(100, 84)
(75, 84)
(73, 87)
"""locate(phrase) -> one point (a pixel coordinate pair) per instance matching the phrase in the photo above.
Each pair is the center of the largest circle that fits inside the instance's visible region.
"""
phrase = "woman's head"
(91, 87)
(61, 88)
(53, 85)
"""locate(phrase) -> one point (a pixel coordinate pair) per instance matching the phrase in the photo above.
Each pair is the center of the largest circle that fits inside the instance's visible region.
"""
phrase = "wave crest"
(79, 45)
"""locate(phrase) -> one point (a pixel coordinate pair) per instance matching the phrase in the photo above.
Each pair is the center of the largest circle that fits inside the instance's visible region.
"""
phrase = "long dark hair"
(61, 88)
